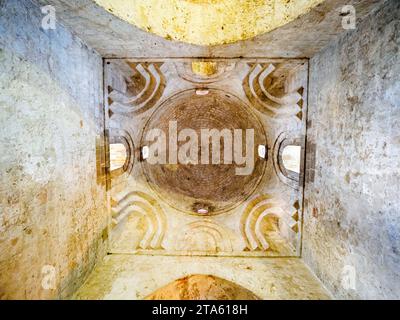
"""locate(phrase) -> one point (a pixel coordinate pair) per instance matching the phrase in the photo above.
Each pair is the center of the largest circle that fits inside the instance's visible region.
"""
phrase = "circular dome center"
(216, 120)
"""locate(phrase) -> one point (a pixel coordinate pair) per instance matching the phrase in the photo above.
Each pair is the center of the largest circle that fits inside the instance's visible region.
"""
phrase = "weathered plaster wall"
(51, 211)
(134, 277)
(352, 215)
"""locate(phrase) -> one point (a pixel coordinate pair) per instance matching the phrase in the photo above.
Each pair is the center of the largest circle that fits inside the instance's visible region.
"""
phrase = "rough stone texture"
(352, 213)
(52, 211)
(208, 22)
(129, 277)
(202, 287)
(300, 38)
(215, 187)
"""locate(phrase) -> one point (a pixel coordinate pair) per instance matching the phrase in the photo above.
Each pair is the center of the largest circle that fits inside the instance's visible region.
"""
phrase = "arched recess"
(291, 159)
(264, 224)
(195, 234)
(118, 156)
(288, 156)
(202, 287)
(118, 140)
(140, 204)
(143, 89)
(266, 89)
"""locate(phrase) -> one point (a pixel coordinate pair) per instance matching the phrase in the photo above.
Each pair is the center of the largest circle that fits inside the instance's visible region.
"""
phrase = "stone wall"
(352, 215)
(52, 211)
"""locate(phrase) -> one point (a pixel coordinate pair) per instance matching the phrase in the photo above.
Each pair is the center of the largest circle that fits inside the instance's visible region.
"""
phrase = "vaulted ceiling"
(249, 30)
(208, 22)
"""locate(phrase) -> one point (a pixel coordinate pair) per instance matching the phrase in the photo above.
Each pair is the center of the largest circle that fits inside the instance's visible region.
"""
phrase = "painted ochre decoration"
(208, 22)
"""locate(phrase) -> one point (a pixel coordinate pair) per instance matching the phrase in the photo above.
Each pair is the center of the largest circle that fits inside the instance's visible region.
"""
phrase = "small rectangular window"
(118, 156)
(291, 156)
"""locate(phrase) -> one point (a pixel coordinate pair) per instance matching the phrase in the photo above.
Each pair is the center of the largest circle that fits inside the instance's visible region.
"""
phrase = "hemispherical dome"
(206, 188)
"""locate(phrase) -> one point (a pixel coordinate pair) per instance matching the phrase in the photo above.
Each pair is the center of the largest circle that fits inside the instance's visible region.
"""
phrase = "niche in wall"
(202, 287)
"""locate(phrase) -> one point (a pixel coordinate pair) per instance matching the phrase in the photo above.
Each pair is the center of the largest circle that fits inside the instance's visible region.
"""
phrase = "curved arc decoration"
(219, 234)
(255, 86)
(137, 201)
(260, 208)
(150, 94)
